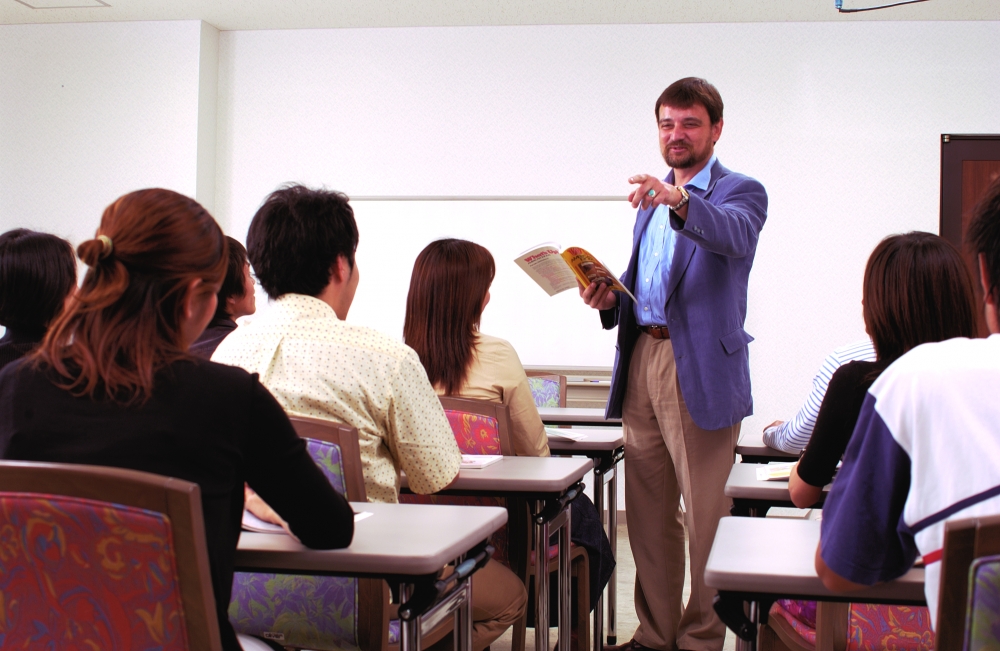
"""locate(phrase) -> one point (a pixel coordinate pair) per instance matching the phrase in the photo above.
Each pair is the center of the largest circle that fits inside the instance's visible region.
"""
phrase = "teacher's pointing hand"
(652, 191)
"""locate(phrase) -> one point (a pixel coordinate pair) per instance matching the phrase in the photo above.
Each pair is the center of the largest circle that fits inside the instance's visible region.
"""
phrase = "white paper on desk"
(252, 523)
(775, 471)
(479, 461)
(358, 517)
(566, 434)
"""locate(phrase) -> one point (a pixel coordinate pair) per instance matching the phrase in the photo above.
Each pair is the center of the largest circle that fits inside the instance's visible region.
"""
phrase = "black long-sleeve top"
(206, 423)
(15, 344)
(838, 414)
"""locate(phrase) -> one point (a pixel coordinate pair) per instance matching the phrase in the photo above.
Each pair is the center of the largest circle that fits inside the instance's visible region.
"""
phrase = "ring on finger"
(651, 193)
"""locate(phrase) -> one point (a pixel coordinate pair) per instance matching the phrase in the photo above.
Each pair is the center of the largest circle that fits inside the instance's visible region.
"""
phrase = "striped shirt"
(793, 435)
(924, 451)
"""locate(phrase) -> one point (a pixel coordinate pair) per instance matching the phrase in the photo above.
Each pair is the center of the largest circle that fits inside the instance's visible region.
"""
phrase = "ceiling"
(299, 14)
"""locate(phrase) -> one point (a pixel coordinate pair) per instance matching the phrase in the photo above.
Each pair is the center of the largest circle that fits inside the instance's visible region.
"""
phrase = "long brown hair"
(443, 307)
(917, 290)
(123, 324)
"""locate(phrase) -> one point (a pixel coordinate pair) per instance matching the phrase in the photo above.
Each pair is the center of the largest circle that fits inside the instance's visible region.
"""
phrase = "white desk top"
(743, 484)
(776, 556)
(532, 475)
(405, 539)
(575, 416)
(751, 444)
(596, 441)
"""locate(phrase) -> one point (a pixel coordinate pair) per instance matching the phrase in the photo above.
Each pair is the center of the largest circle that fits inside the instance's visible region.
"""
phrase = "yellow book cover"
(556, 271)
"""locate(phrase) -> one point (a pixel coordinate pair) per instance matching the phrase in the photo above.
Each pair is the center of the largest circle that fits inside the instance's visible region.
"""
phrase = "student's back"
(113, 385)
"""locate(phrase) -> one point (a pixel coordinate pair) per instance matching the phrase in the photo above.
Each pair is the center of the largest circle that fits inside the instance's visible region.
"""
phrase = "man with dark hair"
(682, 371)
(301, 245)
(37, 273)
(925, 448)
(235, 299)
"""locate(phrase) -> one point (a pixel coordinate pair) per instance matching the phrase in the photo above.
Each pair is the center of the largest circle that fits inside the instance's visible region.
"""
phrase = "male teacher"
(682, 371)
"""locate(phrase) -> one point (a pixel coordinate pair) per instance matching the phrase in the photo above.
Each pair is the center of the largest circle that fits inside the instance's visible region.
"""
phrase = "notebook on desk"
(566, 434)
(479, 461)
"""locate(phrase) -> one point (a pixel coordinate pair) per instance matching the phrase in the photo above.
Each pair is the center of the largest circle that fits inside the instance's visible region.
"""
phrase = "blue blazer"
(706, 299)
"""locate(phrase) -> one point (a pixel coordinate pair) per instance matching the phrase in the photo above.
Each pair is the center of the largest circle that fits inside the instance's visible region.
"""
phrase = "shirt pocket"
(735, 340)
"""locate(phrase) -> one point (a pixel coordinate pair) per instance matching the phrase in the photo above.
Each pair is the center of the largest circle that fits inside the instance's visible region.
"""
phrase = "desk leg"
(599, 502)
(463, 621)
(612, 506)
(741, 644)
(541, 579)
(409, 631)
(565, 593)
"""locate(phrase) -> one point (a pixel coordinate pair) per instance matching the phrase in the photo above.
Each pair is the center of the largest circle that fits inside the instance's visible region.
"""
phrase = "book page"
(588, 269)
(547, 268)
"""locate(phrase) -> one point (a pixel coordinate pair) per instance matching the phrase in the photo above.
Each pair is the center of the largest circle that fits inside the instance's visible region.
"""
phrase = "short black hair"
(296, 237)
(233, 285)
(37, 272)
(983, 237)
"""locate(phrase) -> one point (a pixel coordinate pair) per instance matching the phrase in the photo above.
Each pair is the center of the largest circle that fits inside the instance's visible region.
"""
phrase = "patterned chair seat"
(871, 627)
(982, 630)
(545, 391)
(82, 574)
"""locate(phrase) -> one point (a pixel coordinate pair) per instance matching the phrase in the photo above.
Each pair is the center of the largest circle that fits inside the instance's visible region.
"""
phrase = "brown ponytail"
(122, 325)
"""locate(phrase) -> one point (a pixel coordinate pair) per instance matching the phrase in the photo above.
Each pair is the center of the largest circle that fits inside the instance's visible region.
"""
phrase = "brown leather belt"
(656, 332)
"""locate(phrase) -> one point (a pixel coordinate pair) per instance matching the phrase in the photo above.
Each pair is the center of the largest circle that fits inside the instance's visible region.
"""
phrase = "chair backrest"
(480, 426)
(547, 389)
(318, 612)
(116, 558)
(334, 447)
(964, 541)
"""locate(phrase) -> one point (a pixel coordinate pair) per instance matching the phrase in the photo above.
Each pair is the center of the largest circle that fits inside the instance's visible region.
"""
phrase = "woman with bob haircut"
(37, 273)
(449, 289)
(916, 290)
(113, 384)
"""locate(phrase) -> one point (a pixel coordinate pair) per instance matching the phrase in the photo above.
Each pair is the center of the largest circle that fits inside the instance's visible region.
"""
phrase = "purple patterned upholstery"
(899, 628)
(800, 615)
(82, 574)
(982, 630)
(475, 433)
(314, 612)
(545, 391)
(871, 627)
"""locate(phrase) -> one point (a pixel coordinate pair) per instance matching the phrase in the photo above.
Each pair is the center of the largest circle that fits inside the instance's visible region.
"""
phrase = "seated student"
(37, 273)
(793, 435)
(301, 244)
(925, 448)
(113, 385)
(236, 299)
(916, 290)
(449, 289)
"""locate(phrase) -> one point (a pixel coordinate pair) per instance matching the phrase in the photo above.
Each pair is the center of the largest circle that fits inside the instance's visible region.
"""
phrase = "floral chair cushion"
(982, 630)
(475, 433)
(871, 627)
(81, 574)
(313, 612)
(545, 391)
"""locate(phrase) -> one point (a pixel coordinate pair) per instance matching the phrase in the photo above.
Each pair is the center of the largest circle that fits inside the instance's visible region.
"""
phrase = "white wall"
(841, 122)
(91, 111)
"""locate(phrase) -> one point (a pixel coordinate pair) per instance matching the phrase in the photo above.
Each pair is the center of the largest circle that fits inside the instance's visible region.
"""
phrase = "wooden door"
(969, 164)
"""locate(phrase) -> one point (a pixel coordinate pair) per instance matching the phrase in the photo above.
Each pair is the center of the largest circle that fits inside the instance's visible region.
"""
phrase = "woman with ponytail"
(113, 384)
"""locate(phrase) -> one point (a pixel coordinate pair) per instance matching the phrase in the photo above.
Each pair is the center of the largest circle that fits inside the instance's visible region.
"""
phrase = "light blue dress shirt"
(656, 252)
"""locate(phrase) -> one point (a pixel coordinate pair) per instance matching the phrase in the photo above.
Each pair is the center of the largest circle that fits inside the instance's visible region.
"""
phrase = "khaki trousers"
(667, 456)
(498, 601)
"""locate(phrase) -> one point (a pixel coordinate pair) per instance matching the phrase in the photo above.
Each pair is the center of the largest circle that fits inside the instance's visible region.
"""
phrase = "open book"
(556, 271)
(779, 471)
(566, 434)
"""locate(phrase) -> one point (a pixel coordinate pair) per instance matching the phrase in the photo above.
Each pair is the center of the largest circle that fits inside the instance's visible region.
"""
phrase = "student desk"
(549, 484)
(576, 416)
(752, 449)
(606, 449)
(406, 544)
(752, 497)
(759, 560)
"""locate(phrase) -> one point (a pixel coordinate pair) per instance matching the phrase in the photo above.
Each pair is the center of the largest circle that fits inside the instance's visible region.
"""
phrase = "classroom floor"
(627, 621)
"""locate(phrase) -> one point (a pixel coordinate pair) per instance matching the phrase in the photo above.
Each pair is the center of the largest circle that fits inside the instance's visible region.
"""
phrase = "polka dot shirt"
(317, 365)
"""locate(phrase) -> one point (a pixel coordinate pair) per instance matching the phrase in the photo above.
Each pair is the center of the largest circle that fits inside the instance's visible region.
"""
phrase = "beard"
(683, 160)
